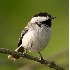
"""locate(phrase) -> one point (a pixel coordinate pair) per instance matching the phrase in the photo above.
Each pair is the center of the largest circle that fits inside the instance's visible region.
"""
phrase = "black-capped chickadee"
(35, 35)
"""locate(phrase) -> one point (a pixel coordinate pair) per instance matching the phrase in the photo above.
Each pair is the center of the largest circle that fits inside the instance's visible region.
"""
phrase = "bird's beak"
(52, 18)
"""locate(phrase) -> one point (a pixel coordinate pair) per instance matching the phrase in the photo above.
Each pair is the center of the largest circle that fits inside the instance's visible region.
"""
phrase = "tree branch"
(45, 62)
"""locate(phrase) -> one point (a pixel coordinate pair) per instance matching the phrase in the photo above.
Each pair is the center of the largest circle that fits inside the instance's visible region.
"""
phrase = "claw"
(41, 58)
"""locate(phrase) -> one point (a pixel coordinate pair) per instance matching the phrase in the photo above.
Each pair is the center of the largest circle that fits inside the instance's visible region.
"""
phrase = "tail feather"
(14, 57)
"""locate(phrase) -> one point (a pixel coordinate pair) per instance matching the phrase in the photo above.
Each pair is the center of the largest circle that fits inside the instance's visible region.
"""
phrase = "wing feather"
(22, 34)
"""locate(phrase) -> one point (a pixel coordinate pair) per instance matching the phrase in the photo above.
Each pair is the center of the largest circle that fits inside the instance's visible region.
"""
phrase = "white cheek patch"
(39, 19)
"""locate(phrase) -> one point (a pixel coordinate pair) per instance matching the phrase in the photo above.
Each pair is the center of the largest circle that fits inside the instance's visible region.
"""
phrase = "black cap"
(42, 14)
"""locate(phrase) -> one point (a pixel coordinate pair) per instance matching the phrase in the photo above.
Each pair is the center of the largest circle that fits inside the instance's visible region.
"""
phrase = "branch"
(45, 62)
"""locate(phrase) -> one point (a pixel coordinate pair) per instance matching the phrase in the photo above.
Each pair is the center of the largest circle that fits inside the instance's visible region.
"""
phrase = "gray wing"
(22, 34)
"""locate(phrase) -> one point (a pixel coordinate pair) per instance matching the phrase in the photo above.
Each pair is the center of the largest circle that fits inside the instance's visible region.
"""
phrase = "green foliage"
(14, 16)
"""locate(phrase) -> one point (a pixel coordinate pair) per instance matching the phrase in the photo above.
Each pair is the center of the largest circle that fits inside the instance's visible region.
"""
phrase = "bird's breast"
(37, 38)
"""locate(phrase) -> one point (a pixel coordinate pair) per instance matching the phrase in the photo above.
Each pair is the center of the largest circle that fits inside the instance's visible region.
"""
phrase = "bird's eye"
(36, 22)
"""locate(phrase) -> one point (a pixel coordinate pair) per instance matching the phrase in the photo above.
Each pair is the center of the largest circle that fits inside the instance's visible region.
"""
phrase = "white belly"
(37, 39)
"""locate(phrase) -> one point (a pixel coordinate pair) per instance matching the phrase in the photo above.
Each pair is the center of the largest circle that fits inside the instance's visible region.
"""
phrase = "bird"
(36, 35)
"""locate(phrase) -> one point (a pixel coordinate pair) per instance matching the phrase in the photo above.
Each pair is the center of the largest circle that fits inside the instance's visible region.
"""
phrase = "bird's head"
(42, 18)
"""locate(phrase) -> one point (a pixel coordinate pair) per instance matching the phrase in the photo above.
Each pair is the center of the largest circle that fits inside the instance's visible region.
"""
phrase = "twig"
(45, 62)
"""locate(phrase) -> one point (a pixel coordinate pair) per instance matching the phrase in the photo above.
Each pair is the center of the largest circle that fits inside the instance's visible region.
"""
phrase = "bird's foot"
(41, 58)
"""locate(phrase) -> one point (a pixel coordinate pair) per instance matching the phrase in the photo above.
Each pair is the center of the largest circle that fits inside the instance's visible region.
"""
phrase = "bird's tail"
(14, 57)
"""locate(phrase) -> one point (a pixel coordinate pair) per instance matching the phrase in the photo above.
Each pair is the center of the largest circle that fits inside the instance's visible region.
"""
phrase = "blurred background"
(14, 16)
